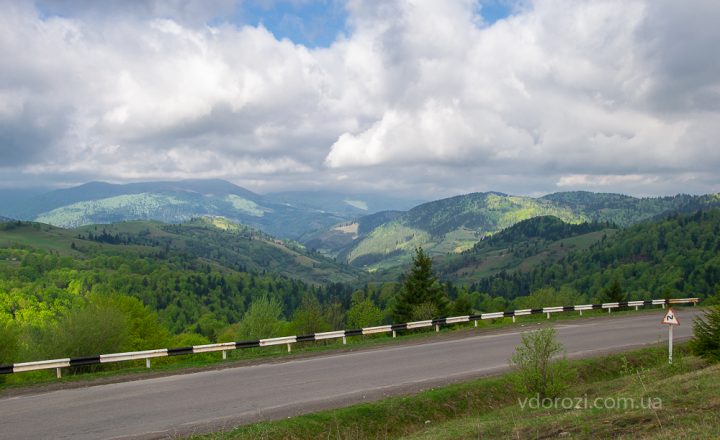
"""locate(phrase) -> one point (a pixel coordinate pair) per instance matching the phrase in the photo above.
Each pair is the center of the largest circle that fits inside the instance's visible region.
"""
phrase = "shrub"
(9, 345)
(364, 314)
(423, 311)
(537, 372)
(706, 335)
(309, 318)
(262, 320)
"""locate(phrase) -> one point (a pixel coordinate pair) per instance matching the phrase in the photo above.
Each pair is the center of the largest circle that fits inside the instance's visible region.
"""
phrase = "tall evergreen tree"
(614, 292)
(421, 296)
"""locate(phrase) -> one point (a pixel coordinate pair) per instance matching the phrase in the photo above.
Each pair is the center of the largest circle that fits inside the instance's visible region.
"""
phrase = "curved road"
(219, 399)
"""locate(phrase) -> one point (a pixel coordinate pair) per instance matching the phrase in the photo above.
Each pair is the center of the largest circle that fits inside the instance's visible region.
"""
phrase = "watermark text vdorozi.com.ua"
(585, 402)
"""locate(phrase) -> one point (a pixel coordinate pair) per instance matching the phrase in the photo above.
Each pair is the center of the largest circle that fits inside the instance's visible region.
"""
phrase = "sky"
(415, 98)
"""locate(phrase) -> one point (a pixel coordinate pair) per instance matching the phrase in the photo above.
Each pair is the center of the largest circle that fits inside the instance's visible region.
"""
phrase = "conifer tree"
(422, 296)
(614, 293)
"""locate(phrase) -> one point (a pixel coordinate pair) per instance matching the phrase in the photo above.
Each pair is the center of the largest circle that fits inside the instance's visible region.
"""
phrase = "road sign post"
(671, 321)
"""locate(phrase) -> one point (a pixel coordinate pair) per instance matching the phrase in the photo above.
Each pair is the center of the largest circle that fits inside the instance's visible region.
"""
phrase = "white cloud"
(420, 96)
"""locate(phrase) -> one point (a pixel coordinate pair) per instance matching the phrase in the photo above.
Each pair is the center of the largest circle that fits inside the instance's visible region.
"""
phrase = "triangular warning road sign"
(670, 318)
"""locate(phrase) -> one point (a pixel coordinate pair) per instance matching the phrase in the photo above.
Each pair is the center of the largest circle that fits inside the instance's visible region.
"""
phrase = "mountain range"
(453, 225)
(367, 231)
(288, 215)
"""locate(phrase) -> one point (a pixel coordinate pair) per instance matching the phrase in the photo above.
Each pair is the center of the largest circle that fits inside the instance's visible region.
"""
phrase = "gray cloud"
(421, 98)
(678, 41)
(29, 134)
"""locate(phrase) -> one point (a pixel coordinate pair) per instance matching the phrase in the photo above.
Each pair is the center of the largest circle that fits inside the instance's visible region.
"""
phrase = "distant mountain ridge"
(285, 215)
(455, 224)
(369, 232)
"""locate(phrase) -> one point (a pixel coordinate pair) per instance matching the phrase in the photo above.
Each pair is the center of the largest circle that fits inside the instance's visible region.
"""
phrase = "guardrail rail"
(224, 347)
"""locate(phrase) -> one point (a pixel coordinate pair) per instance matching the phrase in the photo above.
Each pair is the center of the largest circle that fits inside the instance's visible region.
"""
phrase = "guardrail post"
(224, 352)
(147, 363)
(437, 328)
(548, 315)
(344, 340)
(609, 310)
(289, 348)
(513, 319)
(394, 334)
(476, 321)
(58, 372)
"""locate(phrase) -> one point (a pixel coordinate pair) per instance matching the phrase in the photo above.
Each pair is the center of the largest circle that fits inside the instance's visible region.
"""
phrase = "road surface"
(220, 399)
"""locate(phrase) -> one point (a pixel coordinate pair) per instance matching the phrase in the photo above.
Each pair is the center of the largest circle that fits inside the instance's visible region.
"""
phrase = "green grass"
(488, 407)
(690, 408)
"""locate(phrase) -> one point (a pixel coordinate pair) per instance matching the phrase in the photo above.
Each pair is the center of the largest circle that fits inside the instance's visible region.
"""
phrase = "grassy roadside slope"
(488, 408)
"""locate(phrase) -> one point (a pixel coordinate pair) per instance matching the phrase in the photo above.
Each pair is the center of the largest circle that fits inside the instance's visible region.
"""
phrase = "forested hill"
(214, 241)
(448, 225)
(51, 276)
(520, 247)
(624, 210)
(545, 228)
(455, 224)
(679, 255)
(227, 244)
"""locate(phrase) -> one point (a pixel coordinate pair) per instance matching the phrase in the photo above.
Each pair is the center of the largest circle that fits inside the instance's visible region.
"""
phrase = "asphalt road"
(217, 400)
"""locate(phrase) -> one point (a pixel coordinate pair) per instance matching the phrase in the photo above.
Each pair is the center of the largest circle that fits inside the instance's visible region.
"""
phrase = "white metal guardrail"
(58, 364)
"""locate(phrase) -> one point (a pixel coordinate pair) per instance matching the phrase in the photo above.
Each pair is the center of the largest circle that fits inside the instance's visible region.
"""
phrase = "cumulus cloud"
(418, 96)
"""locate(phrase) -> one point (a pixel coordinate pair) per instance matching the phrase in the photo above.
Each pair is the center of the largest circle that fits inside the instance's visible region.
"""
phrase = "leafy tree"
(95, 328)
(262, 320)
(462, 306)
(549, 297)
(9, 344)
(537, 372)
(424, 311)
(364, 313)
(421, 294)
(309, 318)
(335, 315)
(706, 335)
(144, 328)
(188, 339)
(208, 326)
